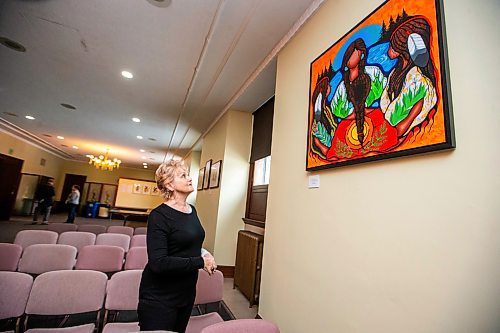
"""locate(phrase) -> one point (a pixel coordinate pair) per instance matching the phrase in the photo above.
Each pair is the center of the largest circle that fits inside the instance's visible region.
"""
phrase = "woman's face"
(182, 182)
(354, 58)
(392, 53)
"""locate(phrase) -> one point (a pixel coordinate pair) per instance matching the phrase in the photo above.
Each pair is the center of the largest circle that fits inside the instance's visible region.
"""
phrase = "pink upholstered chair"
(243, 326)
(102, 258)
(65, 293)
(117, 229)
(209, 289)
(14, 291)
(120, 240)
(197, 323)
(138, 241)
(9, 256)
(77, 239)
(41, 258)
(141, 231)
(122, 294)
(137, 258)
(62, 227)
(26, 238)
(93, 228)
(122, 328)
(87, 328)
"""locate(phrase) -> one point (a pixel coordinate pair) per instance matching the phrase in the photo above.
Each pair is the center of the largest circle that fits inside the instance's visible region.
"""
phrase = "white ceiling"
(192, 60)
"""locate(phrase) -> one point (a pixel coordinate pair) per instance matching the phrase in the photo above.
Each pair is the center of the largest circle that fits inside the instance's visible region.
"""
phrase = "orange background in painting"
(434, 130)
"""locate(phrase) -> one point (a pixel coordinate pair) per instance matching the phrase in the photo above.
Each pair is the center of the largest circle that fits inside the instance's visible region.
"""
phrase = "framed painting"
(206, 176)
(201, 176)
(155, 190)
(108, 194)
(215, 174)
(137, 189)
(382, 90)
(94, 192)
(146, 189)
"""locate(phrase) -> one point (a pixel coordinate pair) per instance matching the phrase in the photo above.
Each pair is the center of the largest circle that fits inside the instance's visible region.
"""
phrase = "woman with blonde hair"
(174, 239)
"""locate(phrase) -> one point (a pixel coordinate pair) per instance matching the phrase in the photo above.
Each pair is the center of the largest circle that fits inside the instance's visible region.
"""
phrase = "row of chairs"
(78, 239)
(66, 293)
(96, 228)
(41, 258)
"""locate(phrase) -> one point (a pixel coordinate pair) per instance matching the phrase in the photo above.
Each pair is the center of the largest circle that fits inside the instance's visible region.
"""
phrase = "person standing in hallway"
(174, 239)
(45, 197)
(73, 201)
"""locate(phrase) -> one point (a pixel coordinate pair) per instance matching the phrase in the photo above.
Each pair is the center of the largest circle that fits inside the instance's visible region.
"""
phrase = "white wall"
(406, 245)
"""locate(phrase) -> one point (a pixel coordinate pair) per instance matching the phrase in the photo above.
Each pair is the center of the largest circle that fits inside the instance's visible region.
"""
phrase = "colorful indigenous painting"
(381, 91)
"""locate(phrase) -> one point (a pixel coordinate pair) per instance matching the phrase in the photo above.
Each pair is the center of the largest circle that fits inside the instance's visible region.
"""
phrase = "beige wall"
(406, 245)
(222, 208)
(126, 197)
(31, 155)
(192, 161)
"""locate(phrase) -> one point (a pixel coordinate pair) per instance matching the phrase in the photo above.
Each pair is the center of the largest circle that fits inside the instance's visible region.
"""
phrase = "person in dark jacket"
(45, 196)
(174, 239)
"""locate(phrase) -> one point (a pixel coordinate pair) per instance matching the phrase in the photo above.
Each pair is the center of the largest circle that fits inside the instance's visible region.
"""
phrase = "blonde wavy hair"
(165, 175)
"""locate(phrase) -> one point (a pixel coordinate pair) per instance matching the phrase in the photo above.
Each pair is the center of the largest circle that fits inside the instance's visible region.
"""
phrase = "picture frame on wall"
(215, 172)
(137, 188)
(382, 90)
(146, 189)
(201, 176)
(155, 190)
(94, 193)
(108, 194)
(206, 176)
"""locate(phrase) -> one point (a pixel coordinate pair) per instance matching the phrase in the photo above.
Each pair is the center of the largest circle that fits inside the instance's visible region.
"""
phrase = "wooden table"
(126, 213)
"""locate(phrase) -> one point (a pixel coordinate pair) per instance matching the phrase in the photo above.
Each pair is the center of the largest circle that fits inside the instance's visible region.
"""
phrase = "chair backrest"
(137, 258)
(141, 231)
(9, 256)
(117, 229)
(26, 238)
(120, 240)
(138, 241)
(93, 228)
(14, 291)
(77, 239)
(102, 258)
(122, 292)
(243, 326)
(67, 292)
(209, 288)
(62, 227)
(41, 258)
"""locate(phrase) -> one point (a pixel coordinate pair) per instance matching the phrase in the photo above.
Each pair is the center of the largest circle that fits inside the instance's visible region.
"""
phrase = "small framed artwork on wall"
(201, 175)
(146, 189)
(215, 174)
(206, 176)
(137, 189)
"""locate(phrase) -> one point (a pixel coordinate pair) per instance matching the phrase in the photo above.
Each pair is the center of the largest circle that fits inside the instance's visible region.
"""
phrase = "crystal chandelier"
(103, 162)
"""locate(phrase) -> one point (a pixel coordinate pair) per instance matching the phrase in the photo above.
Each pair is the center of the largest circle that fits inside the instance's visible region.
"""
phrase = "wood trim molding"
(227, 271)
(255, 223)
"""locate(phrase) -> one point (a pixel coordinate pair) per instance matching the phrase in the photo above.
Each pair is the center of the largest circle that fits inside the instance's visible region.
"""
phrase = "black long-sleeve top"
(174, 241)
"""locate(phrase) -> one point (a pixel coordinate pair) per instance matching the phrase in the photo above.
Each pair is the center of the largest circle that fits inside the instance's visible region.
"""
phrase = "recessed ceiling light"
(142, 150)
(13, 45)
(29, 117)
(60, 137)
(145, 166)
(127, 74)
(68, 106)
(139, 137)
(136, 120)
(75, 147)
(144, 163)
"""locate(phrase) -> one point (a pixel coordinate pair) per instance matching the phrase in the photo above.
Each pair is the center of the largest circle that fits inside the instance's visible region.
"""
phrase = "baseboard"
(228, 271)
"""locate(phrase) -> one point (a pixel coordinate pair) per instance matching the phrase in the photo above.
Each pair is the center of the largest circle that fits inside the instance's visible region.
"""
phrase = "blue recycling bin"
(92, 208)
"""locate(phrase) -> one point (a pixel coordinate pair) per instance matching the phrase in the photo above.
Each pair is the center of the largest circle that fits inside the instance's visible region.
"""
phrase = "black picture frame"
(215, 174)
(206, 176)
(201, 176)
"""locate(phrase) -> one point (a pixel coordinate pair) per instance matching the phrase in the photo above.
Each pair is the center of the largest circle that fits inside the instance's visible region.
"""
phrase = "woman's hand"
(210, 265)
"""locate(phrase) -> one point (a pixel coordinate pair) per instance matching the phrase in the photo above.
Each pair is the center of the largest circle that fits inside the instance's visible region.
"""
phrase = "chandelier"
(103, 162)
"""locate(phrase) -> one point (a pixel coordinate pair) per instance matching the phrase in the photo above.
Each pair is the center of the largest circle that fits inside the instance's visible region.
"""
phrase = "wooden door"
(10, 176)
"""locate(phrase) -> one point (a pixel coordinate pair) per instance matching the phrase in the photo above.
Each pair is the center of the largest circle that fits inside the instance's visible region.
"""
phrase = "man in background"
(45, 197)
(73, 201)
